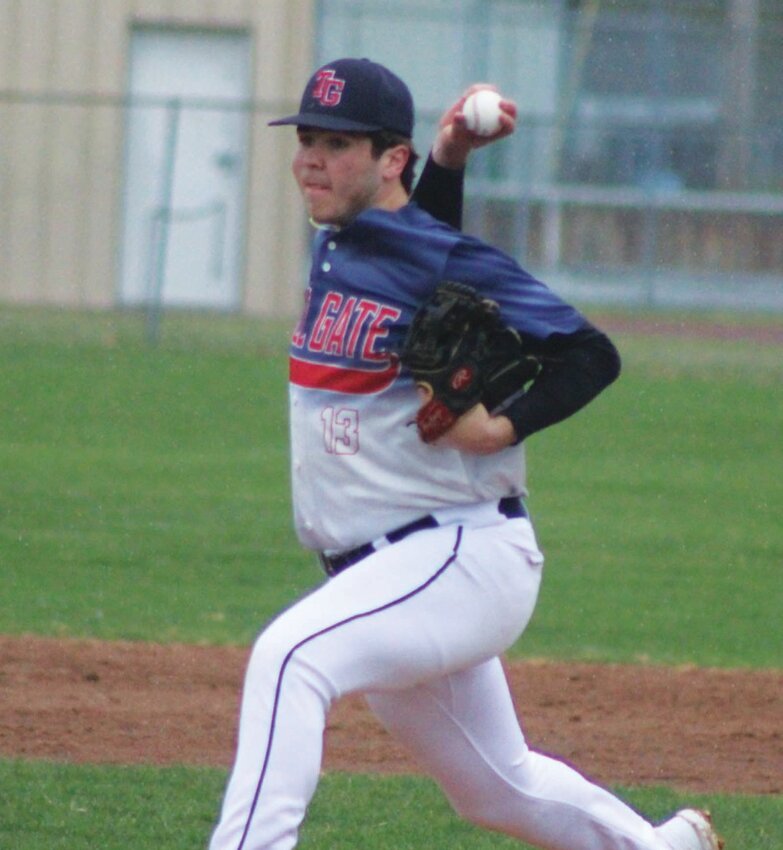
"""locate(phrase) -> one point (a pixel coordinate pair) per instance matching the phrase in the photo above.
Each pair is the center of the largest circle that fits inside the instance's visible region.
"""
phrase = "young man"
(433, 563)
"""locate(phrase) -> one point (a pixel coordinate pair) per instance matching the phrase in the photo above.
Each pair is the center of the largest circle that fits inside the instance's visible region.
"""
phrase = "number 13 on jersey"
(341, 430)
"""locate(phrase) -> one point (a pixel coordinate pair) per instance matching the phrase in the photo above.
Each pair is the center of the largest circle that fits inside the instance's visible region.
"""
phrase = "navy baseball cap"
(355, 96)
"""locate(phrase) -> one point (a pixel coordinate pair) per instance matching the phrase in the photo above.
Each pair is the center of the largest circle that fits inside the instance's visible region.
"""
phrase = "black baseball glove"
(461, 353)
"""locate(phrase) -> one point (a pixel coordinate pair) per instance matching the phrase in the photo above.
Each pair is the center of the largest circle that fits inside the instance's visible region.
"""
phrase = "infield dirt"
(689, 728)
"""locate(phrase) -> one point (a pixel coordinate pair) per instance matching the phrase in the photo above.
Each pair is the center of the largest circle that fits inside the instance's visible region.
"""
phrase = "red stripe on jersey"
(324, 376)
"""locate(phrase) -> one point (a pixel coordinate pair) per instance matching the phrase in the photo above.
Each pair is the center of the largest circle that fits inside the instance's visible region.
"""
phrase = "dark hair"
(385, 139)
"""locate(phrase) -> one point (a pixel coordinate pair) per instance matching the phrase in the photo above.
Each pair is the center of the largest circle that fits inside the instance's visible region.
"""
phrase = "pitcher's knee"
(270, 650)
(478, 810)
(488, 796)
(282, 660)
(475, 802)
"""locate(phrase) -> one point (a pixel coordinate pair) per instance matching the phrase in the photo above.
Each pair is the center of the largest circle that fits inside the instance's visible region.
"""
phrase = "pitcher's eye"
(338, 143)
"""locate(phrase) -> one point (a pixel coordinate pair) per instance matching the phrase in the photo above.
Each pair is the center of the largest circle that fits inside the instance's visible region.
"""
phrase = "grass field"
(144, 495)
(64, 807)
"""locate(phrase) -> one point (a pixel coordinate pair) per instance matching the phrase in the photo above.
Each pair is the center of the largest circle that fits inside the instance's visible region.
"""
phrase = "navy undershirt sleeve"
(439, 192)
(575, 368)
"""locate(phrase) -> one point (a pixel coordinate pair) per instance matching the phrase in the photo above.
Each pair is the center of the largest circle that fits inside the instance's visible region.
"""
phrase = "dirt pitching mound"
(131, 703)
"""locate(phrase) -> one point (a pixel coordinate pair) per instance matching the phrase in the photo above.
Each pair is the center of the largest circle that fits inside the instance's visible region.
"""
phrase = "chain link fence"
(654, 242)
(68, 176)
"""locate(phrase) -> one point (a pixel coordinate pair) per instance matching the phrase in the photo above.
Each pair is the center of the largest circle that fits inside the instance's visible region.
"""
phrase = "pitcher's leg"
(278, 758)
(356, 631)
(438, 601)
(463, 729)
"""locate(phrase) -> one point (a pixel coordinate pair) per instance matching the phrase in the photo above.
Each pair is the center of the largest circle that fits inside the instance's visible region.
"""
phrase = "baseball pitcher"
(422, 362)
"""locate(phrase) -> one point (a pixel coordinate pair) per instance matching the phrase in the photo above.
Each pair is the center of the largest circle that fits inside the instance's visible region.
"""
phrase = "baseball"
(482, 112)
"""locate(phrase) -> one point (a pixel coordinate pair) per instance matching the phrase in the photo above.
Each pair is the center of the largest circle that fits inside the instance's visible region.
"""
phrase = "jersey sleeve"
(526, 303)
(439, 191)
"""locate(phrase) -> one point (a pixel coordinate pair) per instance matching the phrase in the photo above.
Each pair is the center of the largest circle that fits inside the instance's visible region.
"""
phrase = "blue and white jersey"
(359, 468)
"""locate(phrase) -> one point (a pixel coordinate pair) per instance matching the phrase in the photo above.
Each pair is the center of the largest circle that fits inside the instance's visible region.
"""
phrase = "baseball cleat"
(690, 829)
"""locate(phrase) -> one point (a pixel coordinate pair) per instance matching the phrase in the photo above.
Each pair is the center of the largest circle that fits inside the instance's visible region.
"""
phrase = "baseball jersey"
(359, 468)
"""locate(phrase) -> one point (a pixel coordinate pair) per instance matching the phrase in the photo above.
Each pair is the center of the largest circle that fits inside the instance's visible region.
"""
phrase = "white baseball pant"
(418, 627)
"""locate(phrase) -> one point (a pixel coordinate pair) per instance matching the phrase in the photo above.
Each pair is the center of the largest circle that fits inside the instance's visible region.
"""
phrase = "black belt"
(510, 506)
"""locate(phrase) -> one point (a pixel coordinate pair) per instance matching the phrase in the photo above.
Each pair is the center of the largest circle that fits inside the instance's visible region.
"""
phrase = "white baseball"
(482, 112)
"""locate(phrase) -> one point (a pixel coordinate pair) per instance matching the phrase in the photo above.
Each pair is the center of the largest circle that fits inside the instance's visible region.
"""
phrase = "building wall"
(63, 72)
(64, 69)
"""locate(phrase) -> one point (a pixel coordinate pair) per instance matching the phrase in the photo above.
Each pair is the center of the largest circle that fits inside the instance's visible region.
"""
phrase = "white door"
(185, 168)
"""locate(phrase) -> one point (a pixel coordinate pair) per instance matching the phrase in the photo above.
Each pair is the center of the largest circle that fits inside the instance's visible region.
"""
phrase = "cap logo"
(328, 89)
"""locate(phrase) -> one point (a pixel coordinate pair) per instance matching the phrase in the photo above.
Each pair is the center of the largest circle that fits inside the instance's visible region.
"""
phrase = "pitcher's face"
(337, 174)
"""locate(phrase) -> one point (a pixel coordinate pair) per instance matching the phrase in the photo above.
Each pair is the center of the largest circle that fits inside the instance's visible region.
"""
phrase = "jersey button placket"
(326, 265)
